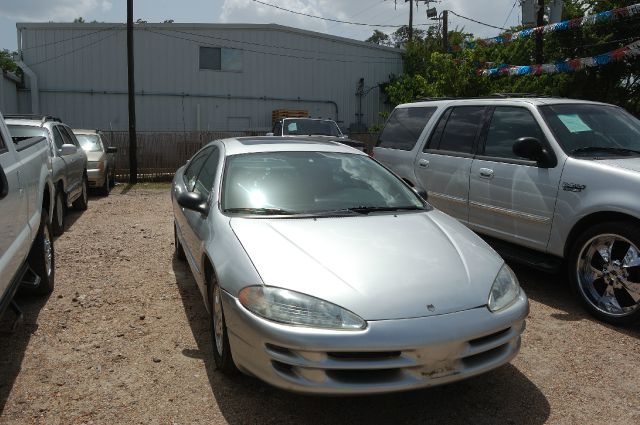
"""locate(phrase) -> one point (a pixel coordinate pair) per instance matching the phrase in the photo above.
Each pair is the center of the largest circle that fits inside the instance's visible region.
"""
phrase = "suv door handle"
(423, 163)
(486, 173)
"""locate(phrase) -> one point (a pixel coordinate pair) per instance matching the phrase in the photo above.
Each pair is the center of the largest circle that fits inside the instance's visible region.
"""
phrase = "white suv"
(548, 181)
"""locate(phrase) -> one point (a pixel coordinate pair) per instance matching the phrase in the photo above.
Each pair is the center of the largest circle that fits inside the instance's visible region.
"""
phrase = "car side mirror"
(112, 149)
(532, 149)
(269, 134)
(68, 149)
(4, 185)
(421, 192)
(193, 201)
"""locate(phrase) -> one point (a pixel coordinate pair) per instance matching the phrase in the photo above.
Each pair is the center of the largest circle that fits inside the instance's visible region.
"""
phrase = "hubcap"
(608, 272)
(48, 252)
(217, 319)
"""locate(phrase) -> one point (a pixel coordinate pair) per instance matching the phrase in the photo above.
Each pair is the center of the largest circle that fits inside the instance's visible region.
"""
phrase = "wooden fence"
(160, 154)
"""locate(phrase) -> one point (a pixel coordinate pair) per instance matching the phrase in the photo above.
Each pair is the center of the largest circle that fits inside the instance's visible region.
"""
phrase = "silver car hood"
(632, 164)
(378, 266)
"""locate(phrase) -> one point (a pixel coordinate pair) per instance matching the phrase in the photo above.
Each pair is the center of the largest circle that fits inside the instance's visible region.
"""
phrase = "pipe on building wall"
(33, 83)
(198, 95)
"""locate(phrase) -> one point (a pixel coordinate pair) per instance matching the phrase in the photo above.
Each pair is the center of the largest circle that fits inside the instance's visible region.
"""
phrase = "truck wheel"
(41, 258)
(59, 211)
(83, 201)
(219, 338)
(604, 269)
(106, 186)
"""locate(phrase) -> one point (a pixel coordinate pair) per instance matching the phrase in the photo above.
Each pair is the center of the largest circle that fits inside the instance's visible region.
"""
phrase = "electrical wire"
(474, 20)
(74, 50)
(328, 19)
(272, 46)
(51, 43)
(366, 9)
(509, 15)
(270, 53)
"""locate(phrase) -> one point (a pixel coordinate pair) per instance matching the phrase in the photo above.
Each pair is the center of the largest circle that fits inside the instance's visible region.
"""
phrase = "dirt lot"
(124, 339)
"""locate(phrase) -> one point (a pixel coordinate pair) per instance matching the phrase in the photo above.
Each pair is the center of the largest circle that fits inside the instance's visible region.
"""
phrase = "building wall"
(8, 93)
(82, 75)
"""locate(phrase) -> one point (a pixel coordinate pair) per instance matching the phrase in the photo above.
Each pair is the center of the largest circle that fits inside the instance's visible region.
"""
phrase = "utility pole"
(445, 30)
(539, 39)
(133, 145)
(410, 20)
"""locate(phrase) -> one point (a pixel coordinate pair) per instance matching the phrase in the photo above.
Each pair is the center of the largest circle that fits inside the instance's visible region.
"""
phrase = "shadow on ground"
(504, 396)
(14, 344)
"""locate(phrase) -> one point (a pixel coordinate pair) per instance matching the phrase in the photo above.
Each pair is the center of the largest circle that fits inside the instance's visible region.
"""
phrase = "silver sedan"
(325, 273)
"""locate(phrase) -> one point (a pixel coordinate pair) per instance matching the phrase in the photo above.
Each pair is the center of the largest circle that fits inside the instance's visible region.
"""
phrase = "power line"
(328, 19)
(51, 43)
(509, 15)
(74, 50)
(269, 53)
(476, 21)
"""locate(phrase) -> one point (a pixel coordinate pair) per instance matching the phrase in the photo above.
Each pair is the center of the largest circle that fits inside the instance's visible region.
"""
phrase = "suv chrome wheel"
(608, 274)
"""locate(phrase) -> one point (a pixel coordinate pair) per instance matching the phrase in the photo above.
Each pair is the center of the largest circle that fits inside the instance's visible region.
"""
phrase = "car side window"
(508, 124)
(461, 129)
(404, 126)
(70, 137)
(204, 182)
(193, 169)
(58, 139)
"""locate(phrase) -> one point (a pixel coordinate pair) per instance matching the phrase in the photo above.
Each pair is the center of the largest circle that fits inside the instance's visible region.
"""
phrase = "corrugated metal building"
(223, 77)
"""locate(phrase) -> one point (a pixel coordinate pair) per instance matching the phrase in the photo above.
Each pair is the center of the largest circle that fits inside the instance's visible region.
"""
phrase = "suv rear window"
(404, 126)
(460, 131)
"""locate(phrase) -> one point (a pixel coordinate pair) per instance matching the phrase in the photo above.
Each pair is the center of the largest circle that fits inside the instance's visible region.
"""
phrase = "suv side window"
(71, 138)
(508, 124)
(57, 137)
(194, 167)
(459, 129)
(204, 182)
(3, 146)
(404, 126)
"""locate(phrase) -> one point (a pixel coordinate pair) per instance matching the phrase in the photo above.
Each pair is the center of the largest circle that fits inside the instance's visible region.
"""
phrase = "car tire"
(106, 186)
(83, 201)
(219, 337)
(41, 258)
(59, 212)
(179, 250)
(604, 271)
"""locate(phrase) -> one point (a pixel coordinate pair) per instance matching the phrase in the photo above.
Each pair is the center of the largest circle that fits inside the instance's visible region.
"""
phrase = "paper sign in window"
(292, 127)
(573, 123)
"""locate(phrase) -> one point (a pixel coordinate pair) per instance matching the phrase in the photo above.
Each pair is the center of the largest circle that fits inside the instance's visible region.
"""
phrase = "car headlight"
(505, 289)
(93, 165)
(294, 308)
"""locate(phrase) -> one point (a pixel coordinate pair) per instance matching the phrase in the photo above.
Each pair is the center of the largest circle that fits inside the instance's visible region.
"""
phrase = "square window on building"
(220, 59)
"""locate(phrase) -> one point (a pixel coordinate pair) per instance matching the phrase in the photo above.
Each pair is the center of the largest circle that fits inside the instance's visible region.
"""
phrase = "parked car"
(325, 273)
(327, 129)
(69, 162)
(101, 164)
(26, 192)
(548, 181)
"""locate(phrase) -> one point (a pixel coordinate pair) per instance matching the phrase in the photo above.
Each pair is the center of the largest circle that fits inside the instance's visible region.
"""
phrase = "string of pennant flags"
(608, 16)
(570, 65)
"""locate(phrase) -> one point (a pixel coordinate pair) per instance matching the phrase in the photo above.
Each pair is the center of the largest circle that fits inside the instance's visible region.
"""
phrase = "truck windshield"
(307, 127)
(587, 130)
(89, 142)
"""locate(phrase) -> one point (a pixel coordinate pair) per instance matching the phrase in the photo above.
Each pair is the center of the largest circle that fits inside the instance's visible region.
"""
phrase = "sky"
(501, 13)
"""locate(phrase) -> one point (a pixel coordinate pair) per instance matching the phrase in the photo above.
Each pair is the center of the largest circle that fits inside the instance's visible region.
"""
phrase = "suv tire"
(83, 200)
(604, 271)
(41, 258)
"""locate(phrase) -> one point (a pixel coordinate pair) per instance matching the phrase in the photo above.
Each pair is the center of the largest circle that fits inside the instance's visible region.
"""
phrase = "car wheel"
(219, 338)
(106, 186)
(179, 250)
(41, 258)
(605, 271)
(59, 211)
(83, 201)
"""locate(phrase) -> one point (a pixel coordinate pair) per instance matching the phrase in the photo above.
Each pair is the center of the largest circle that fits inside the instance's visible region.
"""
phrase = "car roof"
(243, 145)
(25, 121)
(535, 101)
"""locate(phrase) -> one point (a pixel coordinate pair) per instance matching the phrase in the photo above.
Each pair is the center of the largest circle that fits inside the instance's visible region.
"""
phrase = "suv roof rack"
(42, 118)
(491, 96)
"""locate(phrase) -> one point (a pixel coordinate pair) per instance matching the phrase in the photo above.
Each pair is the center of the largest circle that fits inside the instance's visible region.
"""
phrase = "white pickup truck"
(26, 189)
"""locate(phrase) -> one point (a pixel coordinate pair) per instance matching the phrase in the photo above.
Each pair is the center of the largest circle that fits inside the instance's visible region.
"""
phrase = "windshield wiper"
(262, 211)
(620, 151)
(362, 209)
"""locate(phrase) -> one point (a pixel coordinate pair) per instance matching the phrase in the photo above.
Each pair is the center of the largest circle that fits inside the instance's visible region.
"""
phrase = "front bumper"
(388, 356)
(96, 177)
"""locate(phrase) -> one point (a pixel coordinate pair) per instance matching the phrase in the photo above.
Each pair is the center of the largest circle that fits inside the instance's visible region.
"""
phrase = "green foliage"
(79, 20)
(378, 37)
(7, 63)
(430, 72)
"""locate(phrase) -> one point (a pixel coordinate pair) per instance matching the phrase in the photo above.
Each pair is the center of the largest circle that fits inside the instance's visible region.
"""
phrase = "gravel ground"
(124, 339)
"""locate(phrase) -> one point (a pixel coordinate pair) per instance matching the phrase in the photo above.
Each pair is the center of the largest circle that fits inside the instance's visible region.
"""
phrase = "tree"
(378, 37)
(168, 21)
(79, 20)
(7, 63)
(401, 35)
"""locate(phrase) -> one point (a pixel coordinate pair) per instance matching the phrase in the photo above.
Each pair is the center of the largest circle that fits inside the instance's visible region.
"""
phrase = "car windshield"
(277, 183)
(585, 130)
(306, 127)
(89, 142)
(24, 132)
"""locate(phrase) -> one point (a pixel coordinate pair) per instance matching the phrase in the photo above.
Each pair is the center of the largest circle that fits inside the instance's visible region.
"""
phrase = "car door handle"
(486, 173)
(423, 163)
